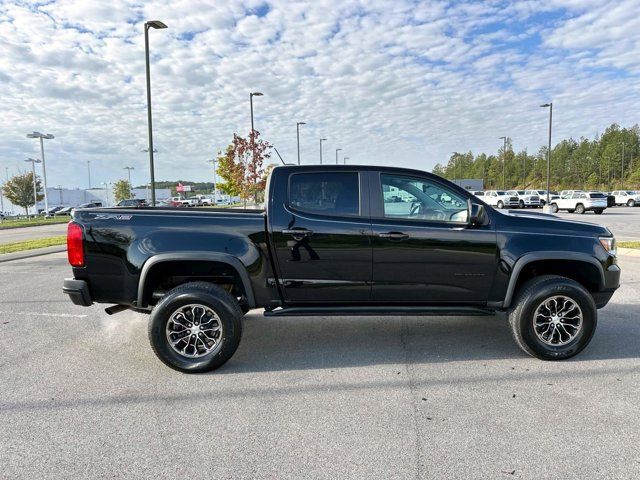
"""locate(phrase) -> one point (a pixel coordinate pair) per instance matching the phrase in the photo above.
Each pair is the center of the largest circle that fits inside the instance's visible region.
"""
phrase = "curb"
(36, 252)
(631, 252)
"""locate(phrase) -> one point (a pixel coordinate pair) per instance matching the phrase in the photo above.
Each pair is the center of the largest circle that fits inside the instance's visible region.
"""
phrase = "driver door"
(424, 252)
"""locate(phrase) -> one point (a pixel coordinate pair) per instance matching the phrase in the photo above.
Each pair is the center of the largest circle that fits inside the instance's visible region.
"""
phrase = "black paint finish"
(291, 257)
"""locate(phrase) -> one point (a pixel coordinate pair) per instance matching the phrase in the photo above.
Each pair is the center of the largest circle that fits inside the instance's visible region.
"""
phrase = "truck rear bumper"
(78, 291)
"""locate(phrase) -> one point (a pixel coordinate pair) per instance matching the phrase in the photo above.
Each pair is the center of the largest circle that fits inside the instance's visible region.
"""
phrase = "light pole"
(321, 140)
(89, 172)
(344, 160)
(215, 180)
(43, 136)
(622, 173)
(337, 150)
(504, 160)
(156, 24)
(547, 206)
(298, 138)
(455, 166)
(128, 169)
(35, 193)
(106, 191)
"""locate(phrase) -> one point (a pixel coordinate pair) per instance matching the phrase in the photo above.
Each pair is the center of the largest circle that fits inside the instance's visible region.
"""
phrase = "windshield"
(631, 192)
(520, 192)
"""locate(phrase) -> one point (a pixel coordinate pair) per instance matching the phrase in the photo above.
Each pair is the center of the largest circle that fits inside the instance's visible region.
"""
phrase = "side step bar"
(377, 311)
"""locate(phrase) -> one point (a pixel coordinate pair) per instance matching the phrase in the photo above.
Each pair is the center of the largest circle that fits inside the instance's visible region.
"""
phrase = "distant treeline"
(610, 161)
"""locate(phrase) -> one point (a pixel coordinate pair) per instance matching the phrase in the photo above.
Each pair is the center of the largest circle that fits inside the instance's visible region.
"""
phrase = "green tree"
(122, 190)
(19, 190)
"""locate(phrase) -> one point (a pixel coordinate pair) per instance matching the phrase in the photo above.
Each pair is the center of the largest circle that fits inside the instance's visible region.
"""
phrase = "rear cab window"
(325, 193)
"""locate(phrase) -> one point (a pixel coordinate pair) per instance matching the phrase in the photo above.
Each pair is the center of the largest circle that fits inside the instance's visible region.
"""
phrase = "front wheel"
(196, 327)
(631, 203)
(521, 204)
(553, 317)
(500, 204)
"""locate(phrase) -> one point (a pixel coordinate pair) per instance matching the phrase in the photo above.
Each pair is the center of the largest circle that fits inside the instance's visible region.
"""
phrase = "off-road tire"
(223, 304)
(530, 296)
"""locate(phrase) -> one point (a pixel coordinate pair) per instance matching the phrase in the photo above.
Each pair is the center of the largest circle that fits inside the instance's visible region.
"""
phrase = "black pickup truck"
(342, 240)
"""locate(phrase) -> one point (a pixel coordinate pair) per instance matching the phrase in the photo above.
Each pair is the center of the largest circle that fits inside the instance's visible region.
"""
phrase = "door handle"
(394, 235)
(298, 232)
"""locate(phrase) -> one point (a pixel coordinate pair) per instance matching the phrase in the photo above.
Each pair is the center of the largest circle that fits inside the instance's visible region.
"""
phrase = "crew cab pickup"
(580, 202)
(342, 240)
(501, 199)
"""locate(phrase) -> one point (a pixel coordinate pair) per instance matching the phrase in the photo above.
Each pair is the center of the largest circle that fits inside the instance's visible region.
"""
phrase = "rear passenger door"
(320, 232)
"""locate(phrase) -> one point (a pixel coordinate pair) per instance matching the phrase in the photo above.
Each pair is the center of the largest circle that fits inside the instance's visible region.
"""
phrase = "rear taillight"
(75, 245)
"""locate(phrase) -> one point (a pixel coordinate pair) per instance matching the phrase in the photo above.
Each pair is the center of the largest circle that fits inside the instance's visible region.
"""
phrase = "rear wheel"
(580, 209)
(631, 203)
(554, 208)
(598, 211)
(553, 318)
(196, 327)
(500, 204)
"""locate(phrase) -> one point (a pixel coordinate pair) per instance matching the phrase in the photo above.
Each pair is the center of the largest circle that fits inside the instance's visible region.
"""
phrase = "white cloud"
(388, 82)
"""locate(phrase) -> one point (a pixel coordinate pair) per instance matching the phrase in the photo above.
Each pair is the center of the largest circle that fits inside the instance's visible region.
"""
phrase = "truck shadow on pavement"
(300, 343)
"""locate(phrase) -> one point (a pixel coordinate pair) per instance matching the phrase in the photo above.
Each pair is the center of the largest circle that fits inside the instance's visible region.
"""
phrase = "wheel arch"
(575, 265)
(202, 258)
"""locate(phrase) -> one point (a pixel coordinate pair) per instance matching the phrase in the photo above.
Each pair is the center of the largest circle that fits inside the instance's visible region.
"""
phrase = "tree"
(122, 190)
(19, 190)
(242, 166)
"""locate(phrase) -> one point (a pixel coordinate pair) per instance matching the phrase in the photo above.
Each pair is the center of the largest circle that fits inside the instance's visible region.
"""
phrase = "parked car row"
(515, 198)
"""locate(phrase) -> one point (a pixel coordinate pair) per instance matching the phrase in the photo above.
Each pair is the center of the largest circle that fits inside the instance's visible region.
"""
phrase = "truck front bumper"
(78, 291)
(611, 284)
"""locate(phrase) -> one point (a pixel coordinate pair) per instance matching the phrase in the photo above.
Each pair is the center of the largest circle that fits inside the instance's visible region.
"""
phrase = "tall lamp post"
(156, 24)
(298, 137)
(337, 150)
(344, 160)
(547, 206)
(33, 162)
(215, 180)
(321, 140)
(128, 169)
(622, 173)
(504, 160)
(42, 137)
(89, 172)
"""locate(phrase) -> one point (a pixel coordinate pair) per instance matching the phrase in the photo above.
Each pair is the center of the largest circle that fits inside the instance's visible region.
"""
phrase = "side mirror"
(477, 215)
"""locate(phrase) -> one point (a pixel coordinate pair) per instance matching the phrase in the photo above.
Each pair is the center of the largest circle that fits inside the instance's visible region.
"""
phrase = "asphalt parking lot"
(624, 222)
(84, 397)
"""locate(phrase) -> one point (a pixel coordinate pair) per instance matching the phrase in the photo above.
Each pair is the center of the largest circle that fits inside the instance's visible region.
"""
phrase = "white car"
(627, 197)
(478, 193)
(580, 202)
(528, 198)
(501, 199)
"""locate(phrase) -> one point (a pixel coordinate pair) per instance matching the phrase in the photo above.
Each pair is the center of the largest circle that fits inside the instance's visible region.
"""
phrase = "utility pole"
(215, 178)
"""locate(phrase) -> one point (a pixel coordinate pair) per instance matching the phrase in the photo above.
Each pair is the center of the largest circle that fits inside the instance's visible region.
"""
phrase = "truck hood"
(545, 223)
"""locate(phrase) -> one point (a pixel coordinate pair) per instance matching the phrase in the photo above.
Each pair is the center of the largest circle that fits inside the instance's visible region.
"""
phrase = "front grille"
(535, 199)
(513, 199)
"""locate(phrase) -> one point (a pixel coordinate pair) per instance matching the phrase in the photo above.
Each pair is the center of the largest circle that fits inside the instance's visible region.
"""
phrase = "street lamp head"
(301, 123)
(35, 160)
(157, 24)
(502, 138)
(256, 94)
(323, 139)
(544, 105)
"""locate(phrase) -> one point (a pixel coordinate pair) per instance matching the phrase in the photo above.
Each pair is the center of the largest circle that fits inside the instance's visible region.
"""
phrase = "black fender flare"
(230, 260)
(528, 258)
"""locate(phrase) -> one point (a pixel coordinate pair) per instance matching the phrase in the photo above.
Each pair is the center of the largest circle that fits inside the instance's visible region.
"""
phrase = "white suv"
(580, 202)
(501, 198)
(627, 197)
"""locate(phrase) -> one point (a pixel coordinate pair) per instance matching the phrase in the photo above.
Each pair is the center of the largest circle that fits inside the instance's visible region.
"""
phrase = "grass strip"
(628, 244)
(32, 222)
(32, 244)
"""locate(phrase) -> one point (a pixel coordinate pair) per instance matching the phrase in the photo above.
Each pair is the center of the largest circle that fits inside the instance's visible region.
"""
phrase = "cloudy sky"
(389, 82)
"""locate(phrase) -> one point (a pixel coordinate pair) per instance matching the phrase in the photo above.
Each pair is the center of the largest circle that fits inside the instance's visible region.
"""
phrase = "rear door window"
(325, 193)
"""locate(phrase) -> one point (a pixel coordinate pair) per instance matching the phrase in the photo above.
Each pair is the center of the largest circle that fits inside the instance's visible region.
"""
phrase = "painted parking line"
(44, 314)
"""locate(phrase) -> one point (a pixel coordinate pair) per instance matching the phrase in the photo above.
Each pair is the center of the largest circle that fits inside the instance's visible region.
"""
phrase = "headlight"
(609, 244)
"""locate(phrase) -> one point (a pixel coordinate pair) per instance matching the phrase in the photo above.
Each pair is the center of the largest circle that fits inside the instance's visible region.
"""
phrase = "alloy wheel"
(194, 331)
(557, 321)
